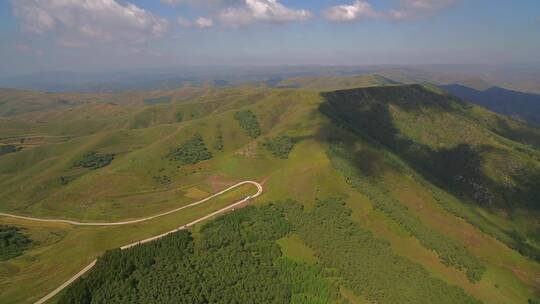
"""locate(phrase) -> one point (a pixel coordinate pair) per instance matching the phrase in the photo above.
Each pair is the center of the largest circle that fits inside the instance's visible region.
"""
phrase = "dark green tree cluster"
(12, 242)
(364, 264)
(450, 253)
(218, 144)
(64, 180)
(235, 259)
(279, 146)
(248, 121)
(179, 116)
(5, 149)
(93, 160)
(192, 151)
(161, 179)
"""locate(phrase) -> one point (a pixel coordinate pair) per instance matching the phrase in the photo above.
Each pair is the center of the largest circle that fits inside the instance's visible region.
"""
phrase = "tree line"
(450, 253)
(248, 121)
(235, 259)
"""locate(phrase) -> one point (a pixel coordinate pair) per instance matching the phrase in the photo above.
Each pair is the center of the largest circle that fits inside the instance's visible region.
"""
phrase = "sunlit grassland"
(125, 189)
(68, 249)
(293, 248)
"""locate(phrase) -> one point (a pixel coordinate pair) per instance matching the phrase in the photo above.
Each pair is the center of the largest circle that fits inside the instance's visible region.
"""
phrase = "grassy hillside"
(436, 135)
(362, 180)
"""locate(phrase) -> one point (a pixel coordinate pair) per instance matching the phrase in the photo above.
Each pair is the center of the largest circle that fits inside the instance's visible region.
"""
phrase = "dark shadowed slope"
(451, 143)
(523, 106)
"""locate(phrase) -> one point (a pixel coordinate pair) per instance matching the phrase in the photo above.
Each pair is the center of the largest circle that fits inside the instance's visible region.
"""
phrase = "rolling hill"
(366, 190)
(335, 83)
(522, 106)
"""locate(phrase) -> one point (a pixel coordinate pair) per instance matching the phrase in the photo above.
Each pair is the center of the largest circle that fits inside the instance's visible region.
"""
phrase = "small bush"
(191, 152)
(280, 146)
(162, 179)
(64, 180)
(5, 149)
(12, 242)
(179, 117)
(93, 160)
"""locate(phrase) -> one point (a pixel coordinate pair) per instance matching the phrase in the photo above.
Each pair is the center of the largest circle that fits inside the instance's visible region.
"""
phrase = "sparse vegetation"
(218, 144)
(64, 180)
(179, 116)
(158, 100)
(93, 160)
(279, 146)
(248, 121)
(12, 242)
(161, 179)
(5, 149)
(191, 152)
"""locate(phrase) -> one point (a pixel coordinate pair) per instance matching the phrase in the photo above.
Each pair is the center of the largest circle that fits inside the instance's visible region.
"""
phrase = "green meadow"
(366, 190)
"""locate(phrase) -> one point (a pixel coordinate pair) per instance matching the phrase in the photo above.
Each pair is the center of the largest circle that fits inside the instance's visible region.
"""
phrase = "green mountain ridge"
(366, 190)
(476, 166)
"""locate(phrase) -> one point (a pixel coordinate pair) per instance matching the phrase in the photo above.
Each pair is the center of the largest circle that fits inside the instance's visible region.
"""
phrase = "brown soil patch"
(219, 182)
(249, 150)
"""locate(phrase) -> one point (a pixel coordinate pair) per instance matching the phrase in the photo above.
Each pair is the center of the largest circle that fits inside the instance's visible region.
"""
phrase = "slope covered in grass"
(437, 136)
(365, 166)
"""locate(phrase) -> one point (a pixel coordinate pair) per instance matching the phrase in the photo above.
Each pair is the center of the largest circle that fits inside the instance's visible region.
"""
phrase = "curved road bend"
(87, 268)
(75, 223)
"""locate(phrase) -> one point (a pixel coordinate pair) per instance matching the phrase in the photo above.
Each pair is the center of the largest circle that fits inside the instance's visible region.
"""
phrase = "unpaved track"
(75, 223)
(87, 268)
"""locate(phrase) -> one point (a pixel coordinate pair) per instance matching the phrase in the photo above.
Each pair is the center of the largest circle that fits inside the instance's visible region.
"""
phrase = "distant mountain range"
(520, 78)
(522, 106)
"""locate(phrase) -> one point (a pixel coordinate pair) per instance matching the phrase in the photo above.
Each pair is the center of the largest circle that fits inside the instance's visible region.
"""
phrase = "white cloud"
(75, 22)
(195, 2)
(427, 4)
(357, 10)
(183, 22)
(406, 10)
(203, 3)
(201, 22)
(413, 9)
(243, 12)
(71, 44)
(270, 11)
(204, 22)
(22, 47)
(172, 2)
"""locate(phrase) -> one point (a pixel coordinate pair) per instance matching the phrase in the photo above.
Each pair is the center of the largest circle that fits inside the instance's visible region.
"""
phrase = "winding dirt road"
(75, 223)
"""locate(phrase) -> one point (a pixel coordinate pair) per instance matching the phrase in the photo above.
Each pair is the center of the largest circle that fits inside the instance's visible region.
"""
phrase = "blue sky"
(90, 35)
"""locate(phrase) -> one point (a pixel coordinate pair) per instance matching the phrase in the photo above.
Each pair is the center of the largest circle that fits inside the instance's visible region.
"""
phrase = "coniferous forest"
(235, 259)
